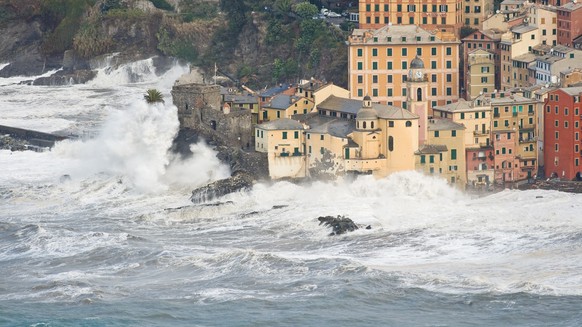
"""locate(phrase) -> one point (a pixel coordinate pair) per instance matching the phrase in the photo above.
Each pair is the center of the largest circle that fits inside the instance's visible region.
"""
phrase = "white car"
(333, 14)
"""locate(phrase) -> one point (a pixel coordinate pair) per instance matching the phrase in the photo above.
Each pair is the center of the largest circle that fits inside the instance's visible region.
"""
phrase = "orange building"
(442, 15)
(379, 64)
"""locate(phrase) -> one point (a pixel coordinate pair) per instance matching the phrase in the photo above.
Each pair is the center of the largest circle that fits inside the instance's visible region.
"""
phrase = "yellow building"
(515, 137)
(476, 12)
(283, 141)
(444, 152)
(284, 106)
(481, 73)
(432, 14)
(378, 64)
(344, 136)
(476, 117)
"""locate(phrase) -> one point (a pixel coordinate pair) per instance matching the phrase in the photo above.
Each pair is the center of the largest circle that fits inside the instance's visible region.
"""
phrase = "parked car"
(332, 14)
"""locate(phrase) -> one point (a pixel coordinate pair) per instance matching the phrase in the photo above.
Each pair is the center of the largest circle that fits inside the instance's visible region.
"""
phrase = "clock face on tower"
(418, 74)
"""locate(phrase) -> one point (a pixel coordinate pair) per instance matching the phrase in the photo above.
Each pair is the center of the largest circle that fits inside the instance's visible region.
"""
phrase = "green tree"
(153, 96)
(305, 10)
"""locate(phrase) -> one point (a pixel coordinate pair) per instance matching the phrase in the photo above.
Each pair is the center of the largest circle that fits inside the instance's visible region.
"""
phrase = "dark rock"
(64, 78)
(339, 224)
(239, 181)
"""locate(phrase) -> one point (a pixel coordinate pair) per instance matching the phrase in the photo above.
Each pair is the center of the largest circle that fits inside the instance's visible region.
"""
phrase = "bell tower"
(417, 96)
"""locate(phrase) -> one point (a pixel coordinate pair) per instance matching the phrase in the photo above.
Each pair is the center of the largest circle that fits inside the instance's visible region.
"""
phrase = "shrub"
(162, 4)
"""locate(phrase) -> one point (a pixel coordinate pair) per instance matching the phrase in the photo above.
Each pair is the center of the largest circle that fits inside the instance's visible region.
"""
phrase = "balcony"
(481, 132)
(530, 113)
(528, 139)
(514, 114)
(496, 115)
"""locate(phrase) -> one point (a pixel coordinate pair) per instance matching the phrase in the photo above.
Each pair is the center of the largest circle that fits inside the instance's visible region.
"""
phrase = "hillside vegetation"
(255, 42)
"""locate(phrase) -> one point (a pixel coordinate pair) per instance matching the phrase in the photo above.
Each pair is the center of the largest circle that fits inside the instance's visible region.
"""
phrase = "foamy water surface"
(117, 242)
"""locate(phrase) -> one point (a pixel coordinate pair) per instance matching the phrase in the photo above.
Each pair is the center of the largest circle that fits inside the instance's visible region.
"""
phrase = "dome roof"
(367, 98)
(417, 63)
(367, 113)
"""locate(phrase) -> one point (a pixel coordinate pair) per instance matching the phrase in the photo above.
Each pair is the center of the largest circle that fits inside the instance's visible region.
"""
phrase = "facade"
(481, 73)
(476, 117)
(514, 129)
(545, 18)
(487, 40)
(475, 12)
(378, 64)
(562, 133)
(284, 106)
(283, 141)
(518, 41)
(442, 15)
(267, 95)
(569, 22)
(444, 150)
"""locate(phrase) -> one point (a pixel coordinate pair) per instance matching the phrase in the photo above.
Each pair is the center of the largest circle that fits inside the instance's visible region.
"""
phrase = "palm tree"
(153, 96)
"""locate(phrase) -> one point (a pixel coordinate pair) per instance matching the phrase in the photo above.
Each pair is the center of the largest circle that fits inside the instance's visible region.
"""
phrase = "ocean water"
(117, 242)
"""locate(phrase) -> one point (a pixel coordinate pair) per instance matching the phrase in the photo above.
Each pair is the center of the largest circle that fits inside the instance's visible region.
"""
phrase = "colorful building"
(283, 141)
(515, 137)
(284, 106)
(444, 152)
(378, 64)
(432, 15)
(562, 133)
(569, 22)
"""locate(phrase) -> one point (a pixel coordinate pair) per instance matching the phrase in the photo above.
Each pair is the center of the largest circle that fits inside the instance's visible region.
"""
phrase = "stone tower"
(199, 109)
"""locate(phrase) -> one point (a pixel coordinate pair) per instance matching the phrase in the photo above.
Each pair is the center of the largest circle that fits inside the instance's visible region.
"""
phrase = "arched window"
(372, 125)
(364, 125)
(419, 94)
(358, 124)
(408, 123)
(390, 143)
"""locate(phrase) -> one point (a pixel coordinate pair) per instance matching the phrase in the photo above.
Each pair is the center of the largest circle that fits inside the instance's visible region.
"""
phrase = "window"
(404, 65)
(389, 92)
(449, 51)
(374, 52)
(453, 154)
(321, 137)
(453, 133)
(360, 79)
(296, 134)
(433, 51)
(422, 159)
(449, 64)
(391, 143)
(431, 159)
(360, 65)
(284, 135)
(389, 78)
(374, 65)
(436, 133)
(433, 64)
(389, 52)
(389, 65)
(374, 79)
(404, 52)
(360, 52)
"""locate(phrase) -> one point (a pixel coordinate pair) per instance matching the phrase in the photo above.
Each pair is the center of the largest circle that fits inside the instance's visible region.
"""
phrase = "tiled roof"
(282, 101)
(443, 124)
(352, 106)
(281, 124)
(431, 149)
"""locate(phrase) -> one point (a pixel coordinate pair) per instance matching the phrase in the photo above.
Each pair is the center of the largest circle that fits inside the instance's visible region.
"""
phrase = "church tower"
(417, 99)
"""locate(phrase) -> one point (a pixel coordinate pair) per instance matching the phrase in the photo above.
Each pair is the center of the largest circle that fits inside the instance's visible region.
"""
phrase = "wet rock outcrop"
(239, 181)
(340, 224)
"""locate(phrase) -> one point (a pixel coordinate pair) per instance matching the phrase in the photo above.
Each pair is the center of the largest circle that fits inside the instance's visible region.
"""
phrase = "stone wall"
(199, 109)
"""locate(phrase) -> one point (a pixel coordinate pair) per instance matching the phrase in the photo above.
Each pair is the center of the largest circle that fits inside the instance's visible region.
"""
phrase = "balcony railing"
(496, 115)
(528, 139)
(514, 114)
(481, 132)
(530, 113)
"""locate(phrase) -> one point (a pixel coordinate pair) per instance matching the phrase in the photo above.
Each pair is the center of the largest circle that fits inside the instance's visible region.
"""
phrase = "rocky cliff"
(252, 42)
